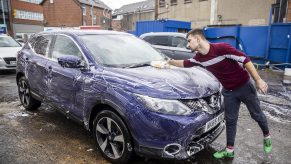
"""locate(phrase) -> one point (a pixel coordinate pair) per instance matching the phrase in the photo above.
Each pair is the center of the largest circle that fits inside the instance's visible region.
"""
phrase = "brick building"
(26, 17)
(212, 12)
(125, 18)
(75, 13)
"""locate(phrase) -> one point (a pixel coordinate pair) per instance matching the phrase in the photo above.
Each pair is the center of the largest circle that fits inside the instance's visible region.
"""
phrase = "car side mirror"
(70, 61)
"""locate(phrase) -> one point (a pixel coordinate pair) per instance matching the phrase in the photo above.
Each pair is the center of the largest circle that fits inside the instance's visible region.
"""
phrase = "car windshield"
(120, 50)
(7, 41)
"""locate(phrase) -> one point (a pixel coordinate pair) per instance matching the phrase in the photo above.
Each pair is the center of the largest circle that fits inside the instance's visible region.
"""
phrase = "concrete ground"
(46, 136)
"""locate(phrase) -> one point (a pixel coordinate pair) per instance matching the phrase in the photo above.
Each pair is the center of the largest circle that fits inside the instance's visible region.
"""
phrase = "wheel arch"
(109, 105)
(18, 76)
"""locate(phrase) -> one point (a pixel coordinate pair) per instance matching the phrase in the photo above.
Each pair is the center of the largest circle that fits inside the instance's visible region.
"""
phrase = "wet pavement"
(46, 136)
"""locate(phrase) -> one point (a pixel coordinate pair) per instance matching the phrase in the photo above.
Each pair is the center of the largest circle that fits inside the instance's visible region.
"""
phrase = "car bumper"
(5, 66)
(194, 146)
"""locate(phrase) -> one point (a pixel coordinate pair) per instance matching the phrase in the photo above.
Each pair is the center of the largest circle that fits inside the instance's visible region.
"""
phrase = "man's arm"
(177, 63)
(260, 84)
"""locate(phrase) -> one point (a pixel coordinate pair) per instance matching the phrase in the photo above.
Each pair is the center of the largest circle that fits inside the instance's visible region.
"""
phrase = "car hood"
(175, 83)
(9, 51)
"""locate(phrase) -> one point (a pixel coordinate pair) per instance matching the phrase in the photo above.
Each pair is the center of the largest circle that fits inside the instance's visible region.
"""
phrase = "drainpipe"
(156, 9)
(92, 13)
(213, 12)
(3, 16)
(82, 21)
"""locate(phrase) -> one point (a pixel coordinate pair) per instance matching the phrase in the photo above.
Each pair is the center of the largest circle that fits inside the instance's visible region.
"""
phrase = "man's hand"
(262, 86)
(160, 64)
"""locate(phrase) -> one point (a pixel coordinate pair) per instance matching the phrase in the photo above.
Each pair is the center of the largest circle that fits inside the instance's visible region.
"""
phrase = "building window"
(202, 0)
(21, 14)
(32, 1)
(187, 1)
(173, 2)
(94, 19)
(162, 3)
(84, 10)
(51, 1)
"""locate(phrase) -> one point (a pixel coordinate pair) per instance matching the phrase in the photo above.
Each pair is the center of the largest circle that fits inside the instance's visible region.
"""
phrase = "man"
(221, 60)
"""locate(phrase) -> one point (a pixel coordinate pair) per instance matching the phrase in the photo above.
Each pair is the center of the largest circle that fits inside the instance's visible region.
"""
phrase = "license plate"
(13, 62)
(212, 123)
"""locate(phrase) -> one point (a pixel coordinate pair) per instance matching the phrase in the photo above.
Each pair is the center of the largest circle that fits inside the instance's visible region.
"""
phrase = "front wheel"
(28, 102)
(112, 137)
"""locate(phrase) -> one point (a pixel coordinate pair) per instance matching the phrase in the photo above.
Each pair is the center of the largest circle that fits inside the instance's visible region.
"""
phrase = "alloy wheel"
(110, 138)
(24, 93)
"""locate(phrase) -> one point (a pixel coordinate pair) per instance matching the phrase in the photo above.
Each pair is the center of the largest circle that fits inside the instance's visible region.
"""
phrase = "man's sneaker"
(267, 145)
(223, 154)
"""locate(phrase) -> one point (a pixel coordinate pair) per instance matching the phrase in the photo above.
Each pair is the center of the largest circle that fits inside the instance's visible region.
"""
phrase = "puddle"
(277, 106)
(16, 114)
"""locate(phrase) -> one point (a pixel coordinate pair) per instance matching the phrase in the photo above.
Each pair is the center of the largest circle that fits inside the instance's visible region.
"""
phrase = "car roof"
(163, 34)
(85, 32)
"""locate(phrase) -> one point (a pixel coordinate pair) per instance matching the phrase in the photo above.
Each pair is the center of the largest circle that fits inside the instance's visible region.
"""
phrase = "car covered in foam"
(103, 80)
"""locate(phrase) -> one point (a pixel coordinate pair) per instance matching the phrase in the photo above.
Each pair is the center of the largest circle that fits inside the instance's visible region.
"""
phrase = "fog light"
(172, 149)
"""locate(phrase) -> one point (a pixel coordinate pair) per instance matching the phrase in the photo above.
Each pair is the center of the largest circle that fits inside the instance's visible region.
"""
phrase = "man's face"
(193, 42)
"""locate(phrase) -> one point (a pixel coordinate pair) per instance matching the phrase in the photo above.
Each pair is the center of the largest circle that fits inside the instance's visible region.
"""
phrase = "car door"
(36, 58)
(161, 43)
(65, 83)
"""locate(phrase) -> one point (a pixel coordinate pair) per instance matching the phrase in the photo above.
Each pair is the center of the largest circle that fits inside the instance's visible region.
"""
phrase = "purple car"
(103, 80)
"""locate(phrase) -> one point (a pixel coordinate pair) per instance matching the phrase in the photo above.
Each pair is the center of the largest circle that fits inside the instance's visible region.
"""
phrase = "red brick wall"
(20, 5)
(116, 25)
(62, 13)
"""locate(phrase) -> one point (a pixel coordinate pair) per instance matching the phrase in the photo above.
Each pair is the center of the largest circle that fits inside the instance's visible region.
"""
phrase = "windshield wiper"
(138, 65)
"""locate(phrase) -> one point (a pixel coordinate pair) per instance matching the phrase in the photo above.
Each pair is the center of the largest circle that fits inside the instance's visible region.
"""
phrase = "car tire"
(28, 102)
(112, 137)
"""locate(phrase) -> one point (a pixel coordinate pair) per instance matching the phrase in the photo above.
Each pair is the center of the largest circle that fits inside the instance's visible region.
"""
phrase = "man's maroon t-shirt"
(222, 61)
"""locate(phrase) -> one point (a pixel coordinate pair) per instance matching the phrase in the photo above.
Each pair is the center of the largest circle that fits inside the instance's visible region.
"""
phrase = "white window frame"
(84, 10)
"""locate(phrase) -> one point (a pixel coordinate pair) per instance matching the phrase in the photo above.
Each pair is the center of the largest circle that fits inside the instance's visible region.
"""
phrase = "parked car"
(172, 44)
(8, 51)
(103, 80)
(20, 41)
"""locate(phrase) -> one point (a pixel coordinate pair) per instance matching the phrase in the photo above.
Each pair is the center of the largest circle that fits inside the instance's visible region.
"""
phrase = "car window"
(179, 42)
(65, 46)
(120, 50)
(159, 40)
(41, 44)
(7, 41)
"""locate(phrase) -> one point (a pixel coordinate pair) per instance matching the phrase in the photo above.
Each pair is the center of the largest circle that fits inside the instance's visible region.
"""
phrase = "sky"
(115, 4)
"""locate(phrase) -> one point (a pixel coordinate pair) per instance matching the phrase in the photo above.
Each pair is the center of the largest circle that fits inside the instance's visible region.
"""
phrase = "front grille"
(210, 104)
(9, 59)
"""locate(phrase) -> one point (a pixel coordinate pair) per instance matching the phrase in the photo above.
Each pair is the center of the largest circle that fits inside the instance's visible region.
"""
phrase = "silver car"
(172, 44)
(8, 50)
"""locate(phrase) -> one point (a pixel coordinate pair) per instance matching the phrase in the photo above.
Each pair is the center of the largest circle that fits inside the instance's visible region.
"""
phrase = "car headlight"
(1, 59)
(165, 106)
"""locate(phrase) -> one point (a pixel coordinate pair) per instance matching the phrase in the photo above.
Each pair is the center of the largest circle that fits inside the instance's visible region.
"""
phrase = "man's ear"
(198, 39)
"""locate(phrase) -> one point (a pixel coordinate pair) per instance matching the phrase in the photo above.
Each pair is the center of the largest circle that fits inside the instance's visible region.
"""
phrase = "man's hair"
(196, 31)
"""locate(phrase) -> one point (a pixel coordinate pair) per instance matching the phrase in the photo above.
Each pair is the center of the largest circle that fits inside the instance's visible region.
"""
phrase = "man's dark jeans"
(232, 100)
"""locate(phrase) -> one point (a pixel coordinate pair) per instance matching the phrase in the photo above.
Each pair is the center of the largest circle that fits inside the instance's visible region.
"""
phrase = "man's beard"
(193, 50)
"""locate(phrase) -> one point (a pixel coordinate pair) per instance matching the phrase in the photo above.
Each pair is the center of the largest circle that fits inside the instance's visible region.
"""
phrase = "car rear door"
(36, 58)
(180, 51)
(161, 43)
(65, 83)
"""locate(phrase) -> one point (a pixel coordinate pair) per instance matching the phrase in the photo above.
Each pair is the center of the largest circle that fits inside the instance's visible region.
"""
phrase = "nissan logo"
(213, 101)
